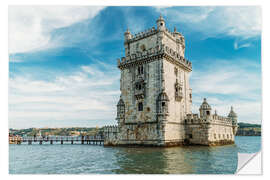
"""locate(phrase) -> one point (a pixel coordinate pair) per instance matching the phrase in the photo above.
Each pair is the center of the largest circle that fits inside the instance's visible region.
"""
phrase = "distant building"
(155, 102)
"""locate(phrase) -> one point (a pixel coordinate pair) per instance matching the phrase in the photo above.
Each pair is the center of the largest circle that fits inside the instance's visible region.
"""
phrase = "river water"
(94, 159)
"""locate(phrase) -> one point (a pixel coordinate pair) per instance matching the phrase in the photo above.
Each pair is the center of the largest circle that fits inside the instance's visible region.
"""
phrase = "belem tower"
(154, 108)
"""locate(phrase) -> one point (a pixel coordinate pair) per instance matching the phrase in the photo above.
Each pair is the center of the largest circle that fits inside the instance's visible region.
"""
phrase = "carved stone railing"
(153, 53)
(215, 119)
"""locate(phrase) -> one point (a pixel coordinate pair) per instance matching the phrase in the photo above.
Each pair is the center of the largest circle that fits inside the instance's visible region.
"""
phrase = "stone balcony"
(139, 93)
(153, 54)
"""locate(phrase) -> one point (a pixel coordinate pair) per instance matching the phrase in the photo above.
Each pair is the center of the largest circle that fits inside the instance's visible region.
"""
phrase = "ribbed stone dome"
(120, 103)
(160, 18)
(232, 113)
(205, 105)
(163, 96)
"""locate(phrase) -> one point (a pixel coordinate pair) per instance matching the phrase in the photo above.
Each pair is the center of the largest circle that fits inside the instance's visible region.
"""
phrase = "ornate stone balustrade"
(194, 119)
(152, 54)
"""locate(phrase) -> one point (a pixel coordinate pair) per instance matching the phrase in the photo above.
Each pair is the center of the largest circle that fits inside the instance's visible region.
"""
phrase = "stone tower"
(155, 93)
(155, 103)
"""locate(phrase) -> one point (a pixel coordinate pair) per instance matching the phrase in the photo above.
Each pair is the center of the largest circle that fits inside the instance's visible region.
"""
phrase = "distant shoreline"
(244, 129)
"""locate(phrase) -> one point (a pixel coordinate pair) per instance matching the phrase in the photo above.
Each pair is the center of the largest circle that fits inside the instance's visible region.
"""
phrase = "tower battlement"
(154, 54)
(176, 36)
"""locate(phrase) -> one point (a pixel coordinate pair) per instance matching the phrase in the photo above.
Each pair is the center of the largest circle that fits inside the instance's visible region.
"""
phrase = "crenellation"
(151, 53)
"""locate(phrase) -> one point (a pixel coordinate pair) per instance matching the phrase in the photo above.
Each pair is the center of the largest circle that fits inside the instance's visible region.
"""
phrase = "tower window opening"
(207, 112)
(140, 106)
(163, 104)
(161, 24)
(140, 69)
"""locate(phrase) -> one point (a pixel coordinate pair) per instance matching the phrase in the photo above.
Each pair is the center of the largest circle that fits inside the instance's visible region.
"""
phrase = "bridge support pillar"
(82, 141)
(29, 142)
(71, 141)
(51, 141)
(62, 142)
(40, 142)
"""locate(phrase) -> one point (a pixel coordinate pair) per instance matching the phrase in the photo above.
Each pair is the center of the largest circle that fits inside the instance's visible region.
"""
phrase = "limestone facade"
(155, 103)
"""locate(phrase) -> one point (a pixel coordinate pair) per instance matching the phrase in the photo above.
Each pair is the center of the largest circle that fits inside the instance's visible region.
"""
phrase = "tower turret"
(205, 109)
(161, 23)
(180, 41)
(128, 35)
(233, 116)
(120, 111)
(162, 103)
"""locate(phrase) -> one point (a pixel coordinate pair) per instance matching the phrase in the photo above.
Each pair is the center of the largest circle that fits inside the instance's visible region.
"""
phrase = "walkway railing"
(62, 139)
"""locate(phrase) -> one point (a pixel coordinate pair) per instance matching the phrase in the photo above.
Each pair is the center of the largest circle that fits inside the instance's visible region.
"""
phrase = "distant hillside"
(247, 125)
(246, 129)
(73, 131)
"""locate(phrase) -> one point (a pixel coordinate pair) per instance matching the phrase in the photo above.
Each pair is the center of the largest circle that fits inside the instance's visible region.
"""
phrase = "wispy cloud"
(240, 21)
(238, 45)
(30, 26)
(133, 23)
(87, 95)
(225, 83)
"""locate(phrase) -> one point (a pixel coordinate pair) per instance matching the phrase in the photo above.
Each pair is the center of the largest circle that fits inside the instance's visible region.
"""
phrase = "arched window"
(140, 106)
(140, 70)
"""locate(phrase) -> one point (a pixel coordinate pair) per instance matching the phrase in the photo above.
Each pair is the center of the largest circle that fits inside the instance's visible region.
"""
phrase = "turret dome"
(160, 23)
(205, 105)
(232, 113)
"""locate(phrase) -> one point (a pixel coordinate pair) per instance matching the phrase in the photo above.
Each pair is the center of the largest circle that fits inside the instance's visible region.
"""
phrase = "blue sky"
(62, 60)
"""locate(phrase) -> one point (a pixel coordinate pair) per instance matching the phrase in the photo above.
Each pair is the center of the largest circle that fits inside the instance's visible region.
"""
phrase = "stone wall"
(209, 130)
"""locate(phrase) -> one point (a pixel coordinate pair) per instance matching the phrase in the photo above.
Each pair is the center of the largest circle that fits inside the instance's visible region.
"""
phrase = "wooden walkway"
(94, 140)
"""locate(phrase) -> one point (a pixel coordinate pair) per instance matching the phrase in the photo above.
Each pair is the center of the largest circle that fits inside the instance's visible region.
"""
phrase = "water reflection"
(90, 159)
(176, 160)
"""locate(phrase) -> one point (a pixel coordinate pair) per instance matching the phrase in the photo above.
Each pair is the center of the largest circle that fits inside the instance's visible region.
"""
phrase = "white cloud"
(238, 45)
(225, 77)
(226, 84)
(85, 98)
(134, 24)
(30, 26)
(239, 21)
